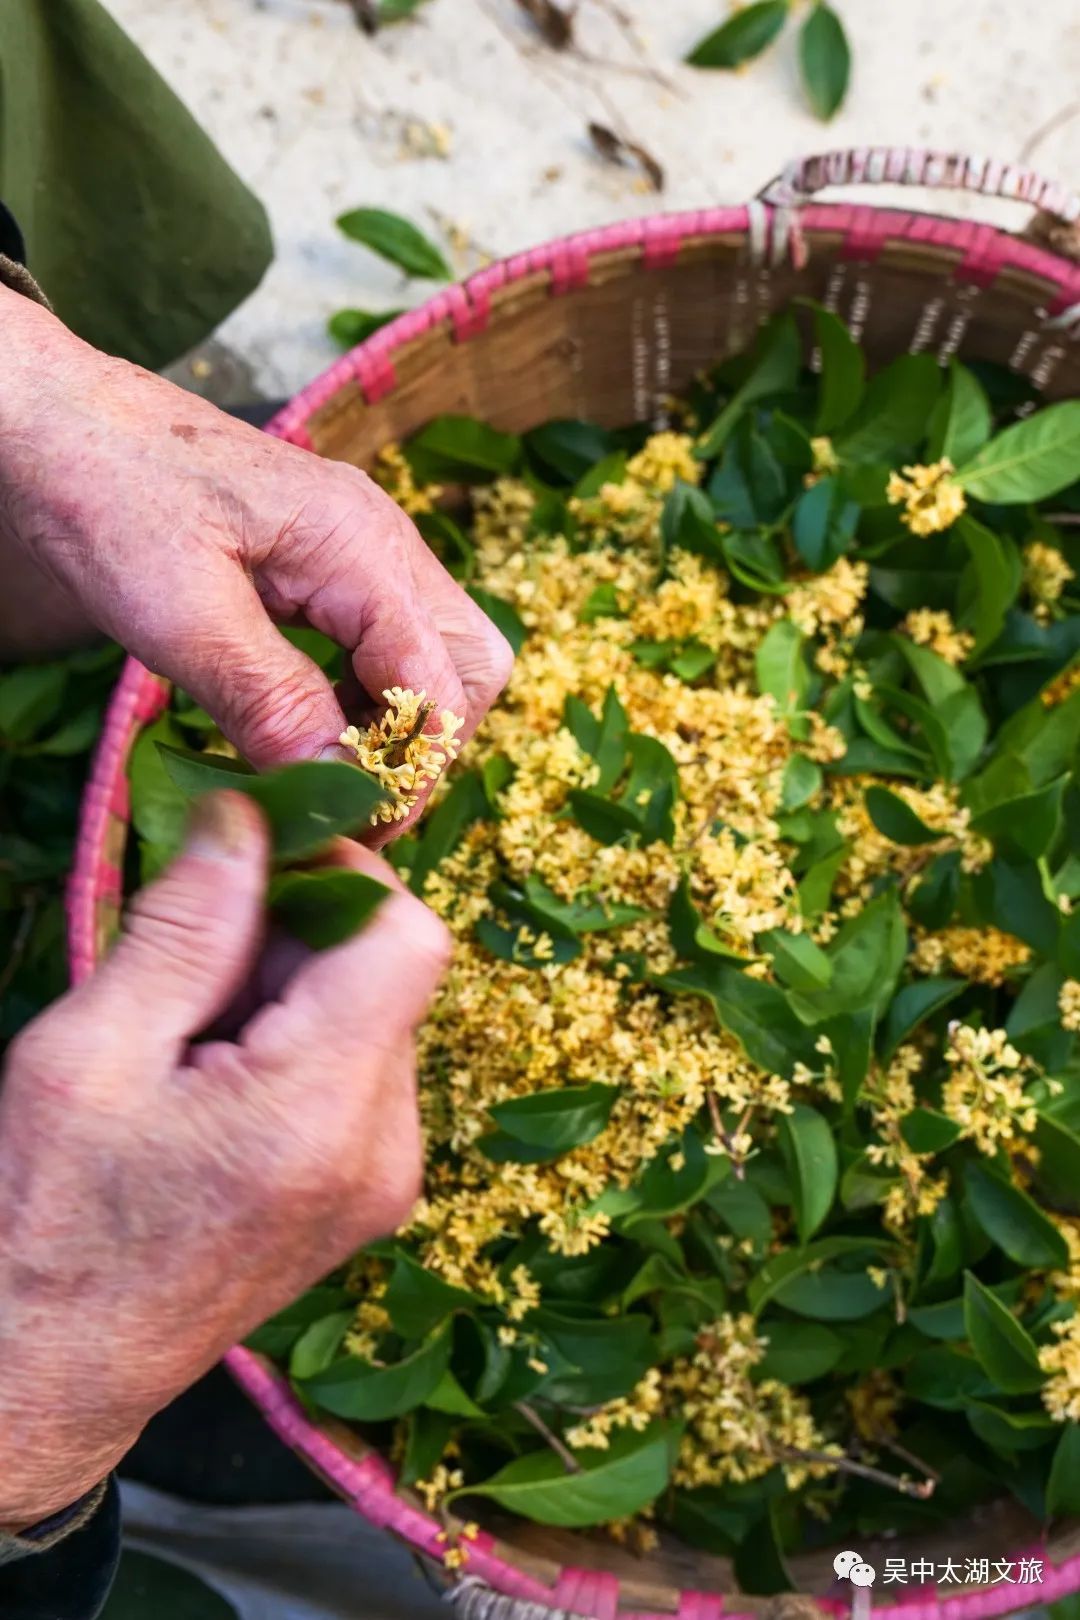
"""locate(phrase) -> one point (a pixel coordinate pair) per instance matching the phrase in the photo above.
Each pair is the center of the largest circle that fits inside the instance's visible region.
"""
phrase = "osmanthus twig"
(921, 1489)
(563, 1452)
(889, 1444)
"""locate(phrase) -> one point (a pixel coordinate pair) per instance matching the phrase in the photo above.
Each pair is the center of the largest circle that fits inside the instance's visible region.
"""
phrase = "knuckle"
(270, 710)
(500, 660)
(175, 921)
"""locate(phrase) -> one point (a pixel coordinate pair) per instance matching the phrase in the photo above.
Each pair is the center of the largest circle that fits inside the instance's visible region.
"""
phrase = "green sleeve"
(137, 229)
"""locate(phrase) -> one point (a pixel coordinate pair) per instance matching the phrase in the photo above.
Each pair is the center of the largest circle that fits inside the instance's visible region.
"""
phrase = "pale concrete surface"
(317, 117)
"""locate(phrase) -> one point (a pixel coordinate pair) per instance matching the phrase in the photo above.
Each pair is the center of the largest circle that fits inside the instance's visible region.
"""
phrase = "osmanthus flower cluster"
(752, 1096)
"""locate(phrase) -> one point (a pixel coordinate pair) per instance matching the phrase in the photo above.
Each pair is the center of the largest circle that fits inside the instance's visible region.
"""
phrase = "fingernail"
(218, 829)
(337, 755)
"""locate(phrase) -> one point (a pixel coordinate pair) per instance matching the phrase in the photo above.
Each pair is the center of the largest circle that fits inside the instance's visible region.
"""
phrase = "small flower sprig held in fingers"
(399, 753)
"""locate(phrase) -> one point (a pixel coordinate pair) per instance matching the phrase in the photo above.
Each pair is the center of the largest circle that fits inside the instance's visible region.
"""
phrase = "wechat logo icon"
(850, 1567)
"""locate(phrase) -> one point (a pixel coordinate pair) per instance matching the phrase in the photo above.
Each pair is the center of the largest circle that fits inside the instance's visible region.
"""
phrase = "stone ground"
(319, 118)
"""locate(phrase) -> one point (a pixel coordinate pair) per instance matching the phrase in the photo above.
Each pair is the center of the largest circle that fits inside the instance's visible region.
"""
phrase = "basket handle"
(916, 166)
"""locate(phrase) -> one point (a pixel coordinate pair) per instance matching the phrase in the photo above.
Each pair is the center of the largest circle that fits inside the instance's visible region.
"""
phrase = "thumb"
(193, 936)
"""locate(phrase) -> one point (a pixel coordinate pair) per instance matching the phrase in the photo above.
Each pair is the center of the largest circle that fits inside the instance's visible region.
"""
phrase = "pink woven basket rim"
(369, 1484)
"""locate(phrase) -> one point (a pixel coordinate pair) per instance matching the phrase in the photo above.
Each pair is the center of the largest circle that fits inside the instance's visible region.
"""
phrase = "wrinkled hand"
(130, 506)
(157, 1199)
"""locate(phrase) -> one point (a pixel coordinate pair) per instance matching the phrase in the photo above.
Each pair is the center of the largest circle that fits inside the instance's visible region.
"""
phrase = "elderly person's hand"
(131, 507)
(159, 1199)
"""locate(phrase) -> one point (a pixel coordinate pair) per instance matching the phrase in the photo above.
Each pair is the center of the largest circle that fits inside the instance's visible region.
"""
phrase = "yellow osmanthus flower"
(1046, 574)
(928, 627)
(634, 1411)
(664, 458)
(437, 1486)
(985, 955)
(1061, 1361)
(738, 1429)
(891, 1095)
(393, 473)
(825, 459)
(1062, 687)
(400, 753)
(931, 497)
(984, 1092)
(1069, 1005)
(874, 1402)
(829, 599)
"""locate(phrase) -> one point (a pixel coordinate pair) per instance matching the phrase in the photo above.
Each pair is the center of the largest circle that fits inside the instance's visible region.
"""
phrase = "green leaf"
(442, 830)
(825, 60)
(893, 414)
(759, 1564)
(962, 421)
(557, 1120)
(690, 937)
(319, 1344)
(1028, 460)
(326, 907)
(775, 368)
(351, 1388)
(607, 822)
(867, 956)
(450, 1398)
(503, 617)
(30, 697)
(352, 326)
(1027, 823)
(912, 1005)
(459, 449)
(843, 366)
(806, 1141)
(1058, 1169)
(802, 780)
(1004, 1349)
(938, 679)
(418, 1301)
(744, 35)
(823, 524)
(798, 962)
(277, 1336)
(585, 914)
(306, 804)
(604, 740)
(1012, 1220)
(1063, 1486)
(947, 1378)
(798, 1352)
(612, 1484)
(395, 239)
(428, 1434)
(790, 1266)
(989, 587)
(946, 1319)
(394, 11)
(1012, 898)
(569, 448)
(1009, 1432)
(895, 819)
(159, 809)
(780, 664)
(926, 1131)
(758, 1014)
(595, 1360)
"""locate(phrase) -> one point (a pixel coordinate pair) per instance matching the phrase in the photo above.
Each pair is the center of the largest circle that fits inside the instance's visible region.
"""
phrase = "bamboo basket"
(604, 325)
